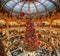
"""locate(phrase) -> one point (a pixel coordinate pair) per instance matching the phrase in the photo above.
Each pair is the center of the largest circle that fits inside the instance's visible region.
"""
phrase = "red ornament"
(27, 29)
(30, 40)
(37, 43)
(31, 47)
(26, 42)
(22, 13)
(34, 40)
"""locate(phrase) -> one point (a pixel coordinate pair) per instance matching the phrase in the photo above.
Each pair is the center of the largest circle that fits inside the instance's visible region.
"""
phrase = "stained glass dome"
(34, 6)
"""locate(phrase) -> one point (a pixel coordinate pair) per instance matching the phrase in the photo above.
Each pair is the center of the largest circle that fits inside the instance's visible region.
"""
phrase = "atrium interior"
(29, 27)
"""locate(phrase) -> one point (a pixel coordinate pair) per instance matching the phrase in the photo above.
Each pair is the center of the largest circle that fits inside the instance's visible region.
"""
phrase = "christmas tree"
(31, 41)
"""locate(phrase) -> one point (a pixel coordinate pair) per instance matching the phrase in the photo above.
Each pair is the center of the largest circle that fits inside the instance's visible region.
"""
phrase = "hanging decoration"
(22, 14)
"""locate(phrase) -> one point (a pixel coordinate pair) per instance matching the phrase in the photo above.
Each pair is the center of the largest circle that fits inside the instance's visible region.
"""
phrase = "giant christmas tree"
(31, 41)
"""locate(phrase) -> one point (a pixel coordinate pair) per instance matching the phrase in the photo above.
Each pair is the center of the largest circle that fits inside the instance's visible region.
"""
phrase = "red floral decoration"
(22, 13)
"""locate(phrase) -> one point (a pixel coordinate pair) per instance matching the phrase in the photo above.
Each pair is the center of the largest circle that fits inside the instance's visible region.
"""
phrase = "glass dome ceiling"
(34, 6)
